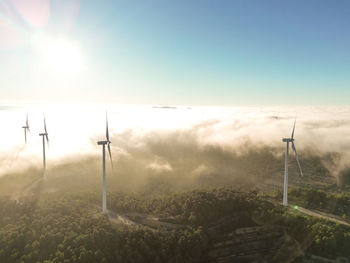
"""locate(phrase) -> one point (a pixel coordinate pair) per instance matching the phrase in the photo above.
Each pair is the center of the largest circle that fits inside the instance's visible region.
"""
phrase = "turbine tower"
(104, 143)
(26, 128)
(45, 138)
(285, 188)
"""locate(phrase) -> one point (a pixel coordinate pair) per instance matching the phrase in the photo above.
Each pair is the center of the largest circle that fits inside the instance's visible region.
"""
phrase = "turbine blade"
(107, 132)
(45, 125)
(110, 154)
(27, 124)
(294, 128)
(296, 157)
(46, 134)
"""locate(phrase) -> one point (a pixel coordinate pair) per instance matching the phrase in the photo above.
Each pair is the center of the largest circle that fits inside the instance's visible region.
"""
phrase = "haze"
(74, 131)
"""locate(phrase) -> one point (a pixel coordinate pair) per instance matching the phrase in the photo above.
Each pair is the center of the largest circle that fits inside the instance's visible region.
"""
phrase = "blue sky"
(227, 52)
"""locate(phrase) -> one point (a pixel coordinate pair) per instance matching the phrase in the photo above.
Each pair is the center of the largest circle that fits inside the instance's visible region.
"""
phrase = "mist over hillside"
(161, 150)
(181, 147)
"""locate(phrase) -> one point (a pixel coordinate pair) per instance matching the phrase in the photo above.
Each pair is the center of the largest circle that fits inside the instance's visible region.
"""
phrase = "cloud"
(201, 170)
(160, 165)
(210, 145)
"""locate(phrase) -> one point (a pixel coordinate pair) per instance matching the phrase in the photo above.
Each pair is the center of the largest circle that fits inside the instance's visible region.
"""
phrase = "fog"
(177, 146)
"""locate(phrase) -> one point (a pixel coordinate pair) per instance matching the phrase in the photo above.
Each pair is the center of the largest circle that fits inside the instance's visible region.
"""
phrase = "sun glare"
(59, 55)
(63, 57)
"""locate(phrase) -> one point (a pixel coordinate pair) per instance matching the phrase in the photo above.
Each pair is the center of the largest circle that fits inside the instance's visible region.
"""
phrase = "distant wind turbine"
(26, 128)
(287, 141)
(45, 138)
(104, 143)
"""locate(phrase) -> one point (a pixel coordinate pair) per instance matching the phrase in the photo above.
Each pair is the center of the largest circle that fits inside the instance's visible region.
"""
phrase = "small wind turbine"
(104, 143)
(26, 128)
(45, 137)
(287, 141)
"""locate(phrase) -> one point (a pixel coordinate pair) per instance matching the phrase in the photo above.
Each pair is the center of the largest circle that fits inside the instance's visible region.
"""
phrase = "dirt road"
(330, 217)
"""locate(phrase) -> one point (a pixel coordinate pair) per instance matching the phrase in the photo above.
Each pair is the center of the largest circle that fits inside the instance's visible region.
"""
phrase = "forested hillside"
(70, 228)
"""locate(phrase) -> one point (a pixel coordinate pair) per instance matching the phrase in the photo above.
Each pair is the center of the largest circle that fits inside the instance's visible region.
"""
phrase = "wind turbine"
(287, 141)
(104, 143)
(26, 128)
(45, 138)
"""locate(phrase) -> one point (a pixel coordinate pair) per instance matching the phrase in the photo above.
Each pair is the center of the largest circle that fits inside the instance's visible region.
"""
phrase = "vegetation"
(56, 227)
(313, 235)
(68, 230)
(335, 203)
(196, 207)
(344, 178)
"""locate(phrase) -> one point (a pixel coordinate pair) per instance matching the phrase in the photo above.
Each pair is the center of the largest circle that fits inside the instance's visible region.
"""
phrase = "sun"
(59, 55)
(63, 57)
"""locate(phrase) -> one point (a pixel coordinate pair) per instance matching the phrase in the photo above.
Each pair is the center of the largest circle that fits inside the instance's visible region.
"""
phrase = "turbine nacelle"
(43, 134)
(103, 142)
(287, 140)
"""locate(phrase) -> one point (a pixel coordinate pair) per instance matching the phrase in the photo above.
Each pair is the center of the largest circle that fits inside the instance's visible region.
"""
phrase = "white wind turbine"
(287, 141)
(45, 138)
(26, 128)
(104, 143)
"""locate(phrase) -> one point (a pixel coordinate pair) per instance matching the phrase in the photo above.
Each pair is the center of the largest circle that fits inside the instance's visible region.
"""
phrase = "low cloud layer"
(197, 144)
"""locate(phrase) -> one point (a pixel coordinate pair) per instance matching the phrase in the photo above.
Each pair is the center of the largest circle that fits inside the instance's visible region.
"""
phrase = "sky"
(193, 52)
